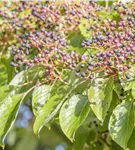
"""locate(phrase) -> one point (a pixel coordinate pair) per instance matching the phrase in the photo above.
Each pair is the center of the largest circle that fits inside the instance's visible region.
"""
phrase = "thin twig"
(107, 4)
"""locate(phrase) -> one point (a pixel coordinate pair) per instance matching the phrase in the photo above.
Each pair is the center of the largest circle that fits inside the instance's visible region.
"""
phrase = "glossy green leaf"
(121, 123)
(73, 113)
(40, 95)
(8, 112)
(59, 93)
(18, 79)
(29, 75)
(48, 111)
(50, 108)
(100, 97)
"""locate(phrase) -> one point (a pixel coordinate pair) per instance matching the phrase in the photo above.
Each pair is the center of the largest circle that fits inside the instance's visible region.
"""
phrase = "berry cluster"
(114, 44)
(42, 31)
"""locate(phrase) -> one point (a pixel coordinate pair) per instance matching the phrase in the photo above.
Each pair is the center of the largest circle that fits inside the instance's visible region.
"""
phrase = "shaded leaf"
(133, 92)
(81, 138)
(3, 75)
(75, 41)
(6, 59)
(5, 91)
(121, 123)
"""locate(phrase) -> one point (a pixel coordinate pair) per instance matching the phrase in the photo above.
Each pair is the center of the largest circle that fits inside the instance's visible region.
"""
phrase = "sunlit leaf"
(8, 112)
(100, 97)
(39, 97)
(122, 123)
(73, 113)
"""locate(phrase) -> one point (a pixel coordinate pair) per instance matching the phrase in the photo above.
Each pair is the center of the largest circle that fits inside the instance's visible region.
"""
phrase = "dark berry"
(77, 70)
(91, 76)
(128, 76)
(83, 74)
(128, 66)
(82, 65)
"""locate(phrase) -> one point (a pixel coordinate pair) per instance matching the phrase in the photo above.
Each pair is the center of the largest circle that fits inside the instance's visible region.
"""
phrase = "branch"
(106, 4)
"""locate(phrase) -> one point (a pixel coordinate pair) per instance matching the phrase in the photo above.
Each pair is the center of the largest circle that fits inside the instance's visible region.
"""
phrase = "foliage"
(75, 63)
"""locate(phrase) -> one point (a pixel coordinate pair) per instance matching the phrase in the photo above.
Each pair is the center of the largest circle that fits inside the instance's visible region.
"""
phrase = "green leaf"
(69, 148)
(29, 75)
(18, 79)
(133, 92)
(48, 111)
(34, 73)
(121, 123)
(58, 95)
(81, 88)
(131, 144)
(100, 97)
(129, 85)
(9, 105)
(3, 75)
(6, 59)
(118, 88)
(51, 107)
(103, 3)
(73, 113)
(81, 137)
(40, 95)
(83, 28)
(75, 41)
(5, 91)
(8, 112)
